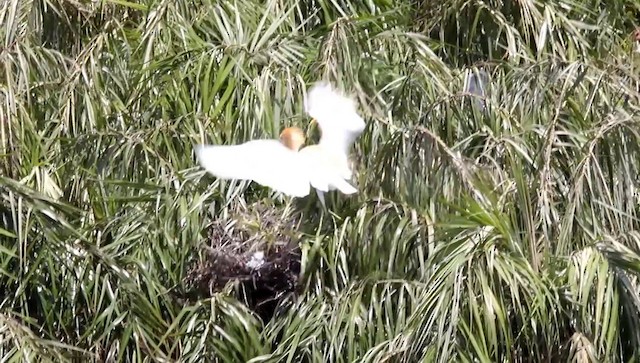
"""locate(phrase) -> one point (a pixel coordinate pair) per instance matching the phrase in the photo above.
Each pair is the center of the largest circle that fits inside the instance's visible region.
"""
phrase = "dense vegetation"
(495, 225)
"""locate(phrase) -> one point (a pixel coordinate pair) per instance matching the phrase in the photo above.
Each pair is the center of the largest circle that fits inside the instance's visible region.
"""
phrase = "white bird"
(282, 165)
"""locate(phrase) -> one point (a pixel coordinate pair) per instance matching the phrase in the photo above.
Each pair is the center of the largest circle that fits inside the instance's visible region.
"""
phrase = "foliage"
(490, 226)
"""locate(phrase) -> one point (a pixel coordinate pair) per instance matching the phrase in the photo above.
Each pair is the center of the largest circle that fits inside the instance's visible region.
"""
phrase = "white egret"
(282, 165)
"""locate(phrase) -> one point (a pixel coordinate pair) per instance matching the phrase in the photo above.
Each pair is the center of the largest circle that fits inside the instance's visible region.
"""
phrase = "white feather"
(337, 116)
(329, 171)
(266, 162)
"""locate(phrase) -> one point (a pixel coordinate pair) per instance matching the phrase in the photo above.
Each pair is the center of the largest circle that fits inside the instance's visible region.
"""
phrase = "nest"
(257, 254)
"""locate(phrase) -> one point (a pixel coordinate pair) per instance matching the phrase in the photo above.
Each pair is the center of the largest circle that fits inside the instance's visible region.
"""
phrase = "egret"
(284, 165)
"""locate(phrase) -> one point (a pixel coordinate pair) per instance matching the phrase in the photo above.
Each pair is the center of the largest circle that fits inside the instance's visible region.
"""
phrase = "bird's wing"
(337, 116)
(266, 162)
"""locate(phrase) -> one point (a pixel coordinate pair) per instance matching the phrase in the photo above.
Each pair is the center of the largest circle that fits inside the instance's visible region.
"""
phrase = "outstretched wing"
(266, 162)
(336, 114)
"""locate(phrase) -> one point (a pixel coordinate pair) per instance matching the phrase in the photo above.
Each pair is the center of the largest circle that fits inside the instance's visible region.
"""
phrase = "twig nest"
(256, 251)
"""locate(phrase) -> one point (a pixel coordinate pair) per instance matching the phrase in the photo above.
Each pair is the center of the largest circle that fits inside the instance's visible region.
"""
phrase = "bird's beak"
(312, 123)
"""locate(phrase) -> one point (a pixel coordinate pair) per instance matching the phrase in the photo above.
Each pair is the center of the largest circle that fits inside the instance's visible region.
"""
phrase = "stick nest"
(255, 253)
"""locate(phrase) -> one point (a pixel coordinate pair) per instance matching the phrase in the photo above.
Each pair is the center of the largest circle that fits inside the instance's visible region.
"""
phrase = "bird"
(477, 85)
(285, 165)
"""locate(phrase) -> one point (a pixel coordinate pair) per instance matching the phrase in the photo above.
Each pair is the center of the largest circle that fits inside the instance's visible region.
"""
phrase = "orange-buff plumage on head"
(293, 138)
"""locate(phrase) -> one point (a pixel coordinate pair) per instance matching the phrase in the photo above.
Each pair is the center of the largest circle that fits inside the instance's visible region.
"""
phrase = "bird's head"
(293, 138)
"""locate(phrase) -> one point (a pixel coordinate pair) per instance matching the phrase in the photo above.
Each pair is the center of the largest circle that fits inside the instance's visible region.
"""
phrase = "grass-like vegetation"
(489, 226)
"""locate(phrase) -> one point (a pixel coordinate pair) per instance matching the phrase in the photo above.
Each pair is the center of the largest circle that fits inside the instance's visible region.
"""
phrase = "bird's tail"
(343, 186)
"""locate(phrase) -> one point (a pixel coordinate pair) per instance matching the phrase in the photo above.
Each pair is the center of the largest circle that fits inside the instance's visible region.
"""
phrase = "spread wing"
(336, 114)
(266, 162)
